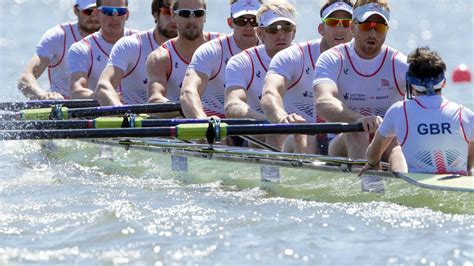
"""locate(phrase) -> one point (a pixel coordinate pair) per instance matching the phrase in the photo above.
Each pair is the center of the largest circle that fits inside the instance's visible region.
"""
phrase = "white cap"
(269, 17)
(244, 7)
(85, 4)
(336, 7)
(362, 13)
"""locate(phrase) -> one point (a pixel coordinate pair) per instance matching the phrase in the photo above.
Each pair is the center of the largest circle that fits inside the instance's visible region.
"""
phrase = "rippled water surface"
(55, 211)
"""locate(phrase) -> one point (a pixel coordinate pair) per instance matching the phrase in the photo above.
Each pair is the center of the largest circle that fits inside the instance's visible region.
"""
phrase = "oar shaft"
(87, 134)
(76, 103)
(120, 110)
(307, 128)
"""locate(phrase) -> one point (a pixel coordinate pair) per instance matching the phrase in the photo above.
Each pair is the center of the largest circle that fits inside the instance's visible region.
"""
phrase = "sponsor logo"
(176, 65)
(307, 71)
(385, 97)
(346, 71)
(145, 81)
(180, 85)
(99, 58)
(258, 74)
(307, 94)
(355, 97)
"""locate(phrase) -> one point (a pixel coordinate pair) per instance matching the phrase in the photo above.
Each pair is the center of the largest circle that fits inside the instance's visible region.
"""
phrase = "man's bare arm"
(272, 102)
(78, 86)
(109, 80)
(194, 85)
(236, 105)
(157, 66)
(28, 82)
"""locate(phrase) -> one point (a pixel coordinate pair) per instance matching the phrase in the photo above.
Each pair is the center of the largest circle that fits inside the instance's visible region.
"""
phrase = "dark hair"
(99, 3)
(330, 2)
(176, 5)
(425, 63)
(156, 5)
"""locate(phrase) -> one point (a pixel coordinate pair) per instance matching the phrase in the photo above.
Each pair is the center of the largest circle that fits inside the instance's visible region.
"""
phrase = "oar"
(184, 131)
(113, 122)
(76, 103)
(66, 113)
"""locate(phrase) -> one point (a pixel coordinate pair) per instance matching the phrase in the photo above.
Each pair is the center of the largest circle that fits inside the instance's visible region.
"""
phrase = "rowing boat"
(309, 177)
(299, 176)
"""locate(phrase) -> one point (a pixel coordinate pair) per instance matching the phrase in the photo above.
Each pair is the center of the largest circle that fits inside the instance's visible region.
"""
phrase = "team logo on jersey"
(176, 65)
(99, 58)
(307, 94)
(260, 96)
(307, 71)
(145, 81)
(258, 74)
(346, 71)
(180, 85)
(385, 85)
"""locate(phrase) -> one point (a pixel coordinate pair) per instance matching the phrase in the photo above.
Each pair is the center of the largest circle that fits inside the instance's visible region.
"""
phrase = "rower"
(88, 58)
(245, 72)
(291, 72)
(51, 53)
(436, 135)
(358, 81)
(203, 90)
(124, 79)
(167, 65)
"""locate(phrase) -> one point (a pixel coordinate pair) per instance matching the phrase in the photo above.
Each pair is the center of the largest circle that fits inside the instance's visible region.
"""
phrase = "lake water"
(52, 212)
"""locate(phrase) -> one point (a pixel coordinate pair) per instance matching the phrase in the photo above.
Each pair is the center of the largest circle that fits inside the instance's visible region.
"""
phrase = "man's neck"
(158, 37)
(364, 55)
(110, 37)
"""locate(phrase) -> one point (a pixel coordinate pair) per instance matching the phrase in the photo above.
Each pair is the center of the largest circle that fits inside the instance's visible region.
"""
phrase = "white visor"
(85, 4)
(269, 17)
(362, 13)
(336, 7)
(244, 7)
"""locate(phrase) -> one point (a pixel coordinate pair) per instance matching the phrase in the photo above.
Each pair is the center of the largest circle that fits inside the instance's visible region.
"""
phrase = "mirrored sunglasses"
(379, 27)
(186, 13)
(241, 21)
(275, 28)
(113, 11)
(333, 22)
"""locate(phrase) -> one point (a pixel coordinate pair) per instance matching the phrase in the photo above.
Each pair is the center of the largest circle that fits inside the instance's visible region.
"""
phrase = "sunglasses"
(333, 22)
(379, 27)
(186, 13)
(241, 21)
(86, 12)
(113, 11)
(165, 10)
(275, 28)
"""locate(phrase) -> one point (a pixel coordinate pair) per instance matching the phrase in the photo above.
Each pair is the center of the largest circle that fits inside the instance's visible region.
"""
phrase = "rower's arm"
(236, 105)
(109, 80)
(470, 158)
(194, 85)
(78, 86)
(28, 82)
(273, 92)
(330, 107)
(376, 148)
(157, 66)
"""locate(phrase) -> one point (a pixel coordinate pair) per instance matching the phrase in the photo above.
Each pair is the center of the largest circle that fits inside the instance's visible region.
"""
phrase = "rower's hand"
(51, 95)
(370, 123)
(293, 119)
(367, 167)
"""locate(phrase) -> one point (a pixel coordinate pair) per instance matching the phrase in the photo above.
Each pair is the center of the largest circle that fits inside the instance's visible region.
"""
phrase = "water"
(54, 212)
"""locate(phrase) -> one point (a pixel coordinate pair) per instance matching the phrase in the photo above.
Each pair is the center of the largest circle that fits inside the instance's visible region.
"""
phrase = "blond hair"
(383, 3)
(281, 7)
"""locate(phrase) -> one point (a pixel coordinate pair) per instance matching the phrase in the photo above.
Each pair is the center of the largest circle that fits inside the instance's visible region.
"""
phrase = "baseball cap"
(362, 13)
(336, 7)
(85, 4)
(244, 7)
(269, 17)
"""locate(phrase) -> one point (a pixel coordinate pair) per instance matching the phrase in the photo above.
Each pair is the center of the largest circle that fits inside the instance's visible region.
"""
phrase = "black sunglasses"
(241, 21)
(186, 13)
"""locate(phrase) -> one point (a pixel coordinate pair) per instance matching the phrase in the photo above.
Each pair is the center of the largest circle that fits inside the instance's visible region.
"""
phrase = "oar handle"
(75, 103)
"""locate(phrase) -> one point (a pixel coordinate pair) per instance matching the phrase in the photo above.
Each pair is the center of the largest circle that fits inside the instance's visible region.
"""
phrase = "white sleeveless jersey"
(178, 68)
(248, 70)
(368, 87)
(297, 64)
(130, 54)
(54, 45)
(433, 132)
(211, 59)
(90, 55)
